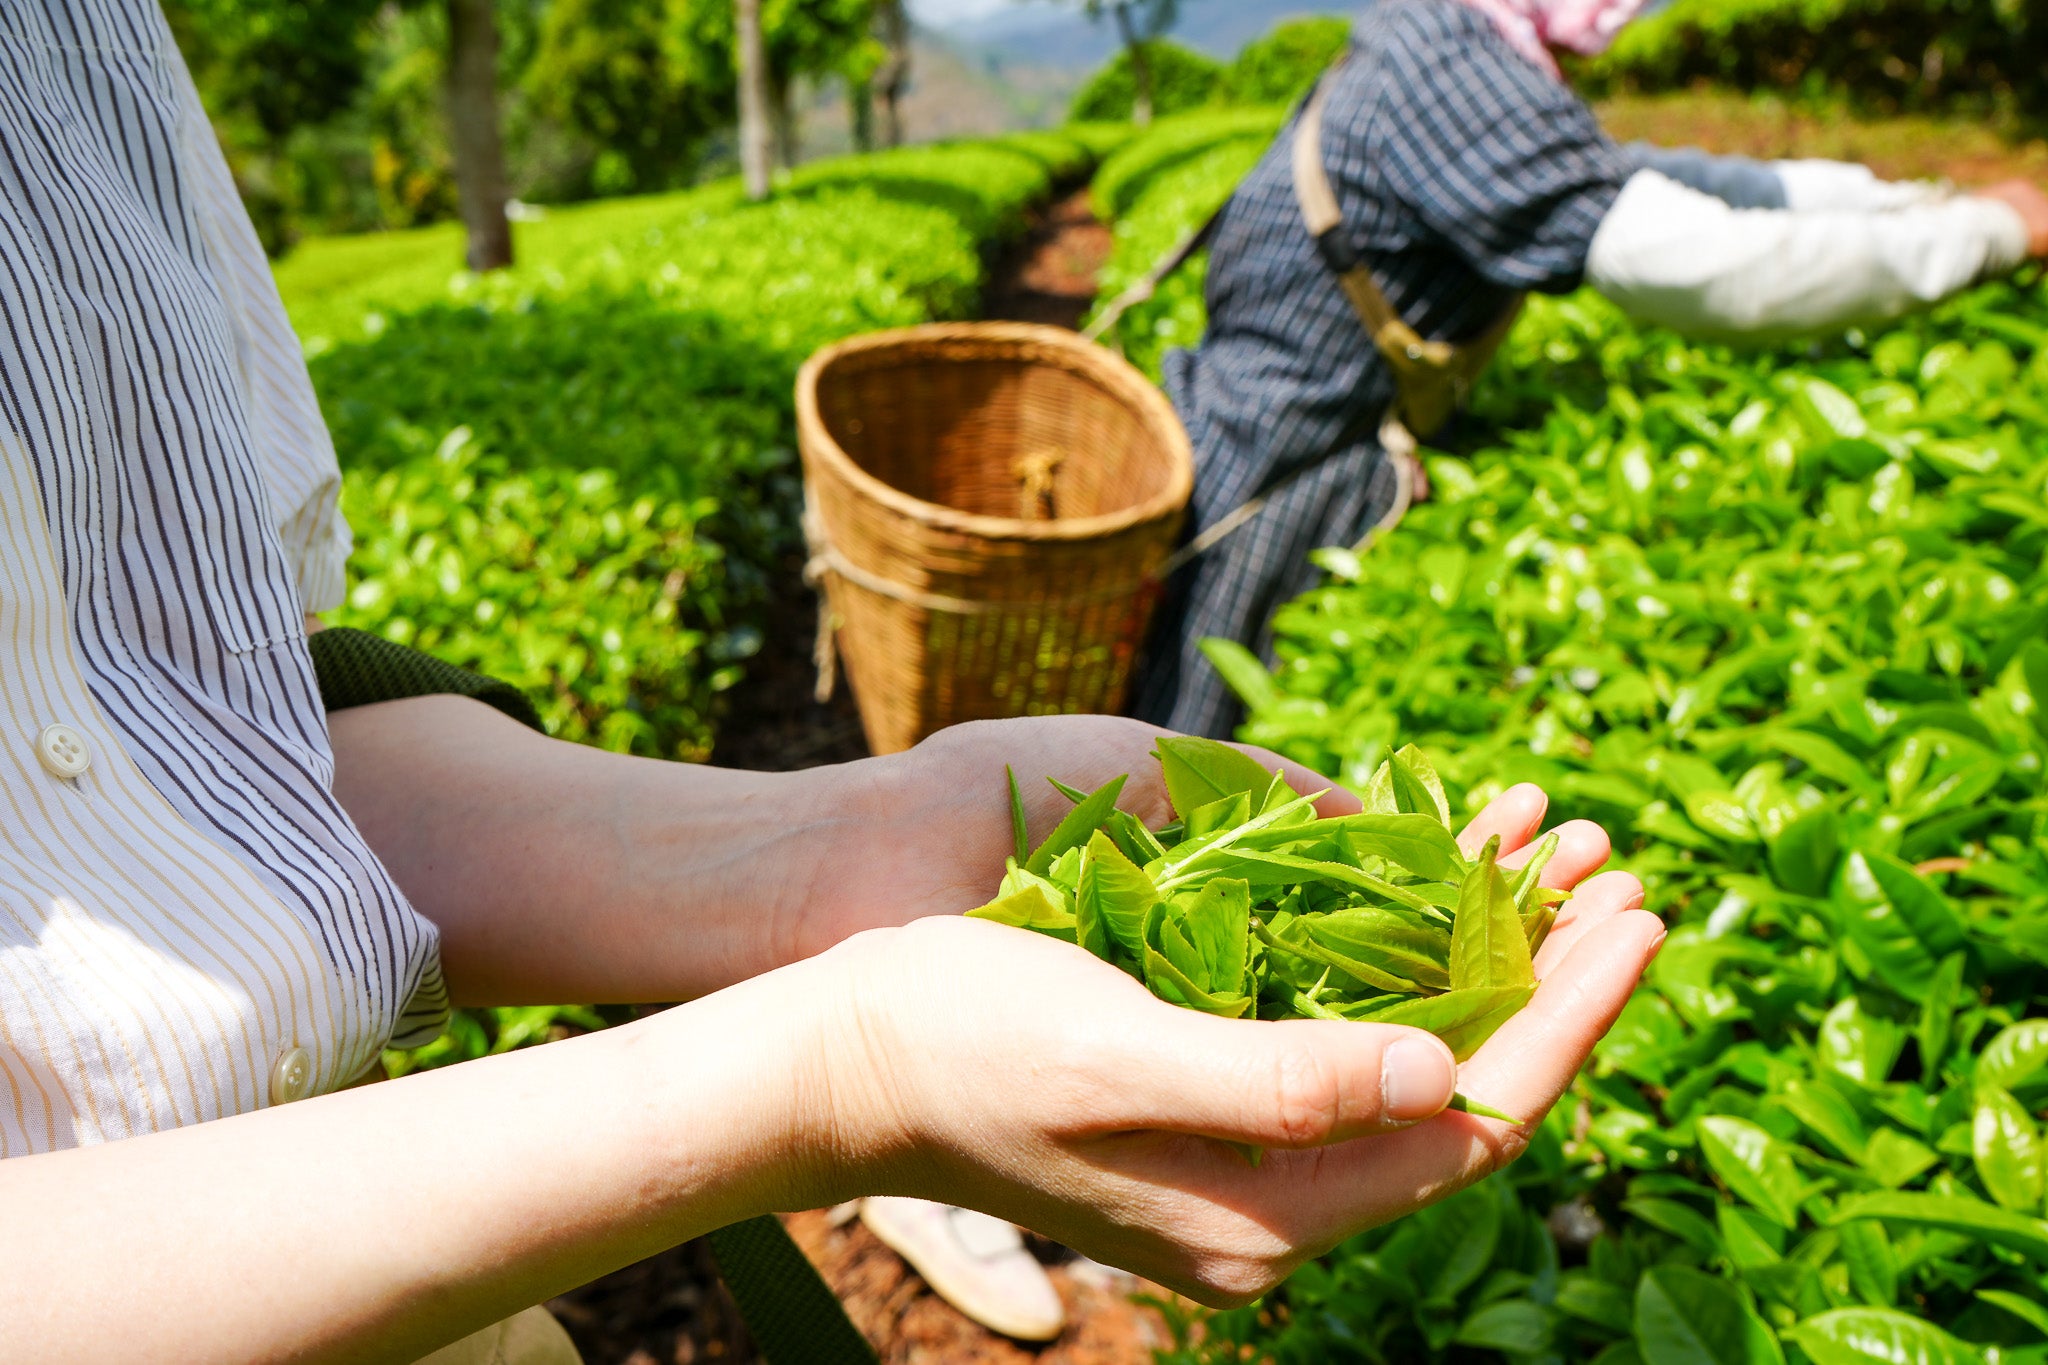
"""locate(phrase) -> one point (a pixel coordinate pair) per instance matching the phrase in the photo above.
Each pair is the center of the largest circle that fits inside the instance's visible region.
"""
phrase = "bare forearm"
(557, 872)
(381, 1223)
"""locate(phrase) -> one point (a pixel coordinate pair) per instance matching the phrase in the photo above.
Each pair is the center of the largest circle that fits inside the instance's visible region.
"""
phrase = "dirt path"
(1051, 275)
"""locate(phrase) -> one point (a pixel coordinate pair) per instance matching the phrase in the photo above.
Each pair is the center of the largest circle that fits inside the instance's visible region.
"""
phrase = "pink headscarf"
(1535, 27)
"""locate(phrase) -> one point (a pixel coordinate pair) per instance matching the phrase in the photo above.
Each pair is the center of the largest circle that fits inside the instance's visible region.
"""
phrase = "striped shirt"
(191, 926)
(1466, 176)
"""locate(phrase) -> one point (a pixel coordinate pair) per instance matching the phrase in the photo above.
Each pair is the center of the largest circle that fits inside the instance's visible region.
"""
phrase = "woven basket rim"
(1117, 375)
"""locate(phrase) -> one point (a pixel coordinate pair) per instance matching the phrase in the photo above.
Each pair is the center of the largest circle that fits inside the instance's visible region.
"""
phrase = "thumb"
(1293, 1083)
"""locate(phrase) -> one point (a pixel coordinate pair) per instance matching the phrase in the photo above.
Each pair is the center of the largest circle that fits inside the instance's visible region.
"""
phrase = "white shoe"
(972, 1261)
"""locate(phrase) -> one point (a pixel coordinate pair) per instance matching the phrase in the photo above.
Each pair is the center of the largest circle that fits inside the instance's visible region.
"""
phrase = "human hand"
(933, 824)
(961, 1060)
(2026, 199)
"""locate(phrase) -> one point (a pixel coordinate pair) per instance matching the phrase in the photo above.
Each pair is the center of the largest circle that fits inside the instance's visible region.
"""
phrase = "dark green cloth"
(356, 668)
(788, 1307)
(792, 1313)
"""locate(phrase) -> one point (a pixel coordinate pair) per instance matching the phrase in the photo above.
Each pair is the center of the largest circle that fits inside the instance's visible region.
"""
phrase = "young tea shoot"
(1251, 906)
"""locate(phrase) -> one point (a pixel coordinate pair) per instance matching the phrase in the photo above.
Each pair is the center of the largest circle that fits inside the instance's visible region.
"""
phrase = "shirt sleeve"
(1737, 181)
(289, 437)
(1672, 255)
(1822, 186)
(1502, 162)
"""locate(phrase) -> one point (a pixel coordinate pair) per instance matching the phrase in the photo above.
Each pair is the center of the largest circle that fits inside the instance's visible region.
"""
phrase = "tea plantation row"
(579, 474)
(1780, 622)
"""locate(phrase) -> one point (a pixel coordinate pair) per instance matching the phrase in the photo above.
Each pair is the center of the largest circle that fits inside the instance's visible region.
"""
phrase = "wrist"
(745, 1106)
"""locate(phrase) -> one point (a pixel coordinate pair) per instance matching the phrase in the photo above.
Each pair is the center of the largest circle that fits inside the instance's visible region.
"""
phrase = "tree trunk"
(757, 147)
(782, 119)
(1141, 68)
(473, 132)
(860, 105)
(894, 73)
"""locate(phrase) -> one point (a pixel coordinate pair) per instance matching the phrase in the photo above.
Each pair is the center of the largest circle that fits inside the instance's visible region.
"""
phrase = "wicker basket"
(988, 506)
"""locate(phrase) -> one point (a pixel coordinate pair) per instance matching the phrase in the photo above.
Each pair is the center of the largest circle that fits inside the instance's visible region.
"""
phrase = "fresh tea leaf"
(1489, 946)
(1080, 823)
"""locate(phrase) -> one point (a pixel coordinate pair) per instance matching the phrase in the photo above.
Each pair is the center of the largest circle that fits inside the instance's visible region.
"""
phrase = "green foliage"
(1182, 79)
(1886, 54)
(641, 350)
(647, 81)
(1161, 185)
(602, 606)
(1281, 67)
(1776, 620)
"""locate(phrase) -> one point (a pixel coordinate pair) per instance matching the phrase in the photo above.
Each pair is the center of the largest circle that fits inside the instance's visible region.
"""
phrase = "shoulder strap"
(1432, 376)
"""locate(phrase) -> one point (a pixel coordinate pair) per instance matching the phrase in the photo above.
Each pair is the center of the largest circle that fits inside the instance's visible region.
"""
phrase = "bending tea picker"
(1362, 276)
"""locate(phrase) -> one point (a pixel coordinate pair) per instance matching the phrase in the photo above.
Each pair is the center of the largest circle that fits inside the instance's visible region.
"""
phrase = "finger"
(1330, 1194)
(1515, 815)
(1582, 849)
(1336, 800)
(1288, 1084)
(1527, 1065)
(1593, 904)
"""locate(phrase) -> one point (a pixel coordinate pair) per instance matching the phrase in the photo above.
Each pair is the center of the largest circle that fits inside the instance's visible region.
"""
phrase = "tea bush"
(1182, 79)
(1780, 621)
(1888, 55)
(1156, 190)
(626, 390)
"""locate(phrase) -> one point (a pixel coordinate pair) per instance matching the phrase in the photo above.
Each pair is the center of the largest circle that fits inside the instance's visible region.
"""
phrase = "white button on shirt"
(190, 926)
(62, 751)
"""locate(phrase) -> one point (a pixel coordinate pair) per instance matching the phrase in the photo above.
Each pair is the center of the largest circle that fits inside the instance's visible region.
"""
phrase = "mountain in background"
(1043, 35)
(1021, 66)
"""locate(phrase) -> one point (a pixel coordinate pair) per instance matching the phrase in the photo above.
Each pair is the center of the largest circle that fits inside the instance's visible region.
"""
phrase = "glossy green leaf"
(1464, 1019)
(1020, 833)
(1861, 1336)
(1113, 897)
(1951, 1213)
(1489, 946)
(1685, 1317)
(1199, 772)
(2015, 1056)
(2005, 1142)
(1077, 827)
(1756, 1167)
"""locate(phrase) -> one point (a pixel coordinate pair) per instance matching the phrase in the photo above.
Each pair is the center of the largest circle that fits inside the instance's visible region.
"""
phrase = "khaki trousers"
(529, 1338)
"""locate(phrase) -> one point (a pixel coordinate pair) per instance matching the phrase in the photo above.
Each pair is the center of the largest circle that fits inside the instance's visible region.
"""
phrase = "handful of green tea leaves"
(1250, 906)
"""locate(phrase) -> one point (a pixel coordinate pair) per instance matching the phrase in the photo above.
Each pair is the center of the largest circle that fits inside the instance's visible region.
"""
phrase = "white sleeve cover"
(1821, 186)
(1671, 255)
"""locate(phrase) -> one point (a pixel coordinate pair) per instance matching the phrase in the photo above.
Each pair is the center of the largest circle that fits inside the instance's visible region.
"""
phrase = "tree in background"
(267, 68)
(1181, 79)
(756, 136)
(892, 26)
(1138, 24)
(474, 132)
(1280, 67)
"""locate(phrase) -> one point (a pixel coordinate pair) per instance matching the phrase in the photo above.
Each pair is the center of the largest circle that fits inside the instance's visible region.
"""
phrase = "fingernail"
(1656, 943)
(1417, 1077)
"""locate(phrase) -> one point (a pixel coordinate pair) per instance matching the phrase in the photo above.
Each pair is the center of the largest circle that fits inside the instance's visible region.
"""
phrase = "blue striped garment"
(1466, 176)
(193, 927)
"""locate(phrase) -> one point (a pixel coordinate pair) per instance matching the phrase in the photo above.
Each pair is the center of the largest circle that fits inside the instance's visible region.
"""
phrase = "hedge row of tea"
(1780, 622)
(578, 474)
(1157, 189)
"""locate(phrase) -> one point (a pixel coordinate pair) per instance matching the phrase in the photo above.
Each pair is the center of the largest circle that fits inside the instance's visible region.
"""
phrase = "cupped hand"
(965, 1061)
